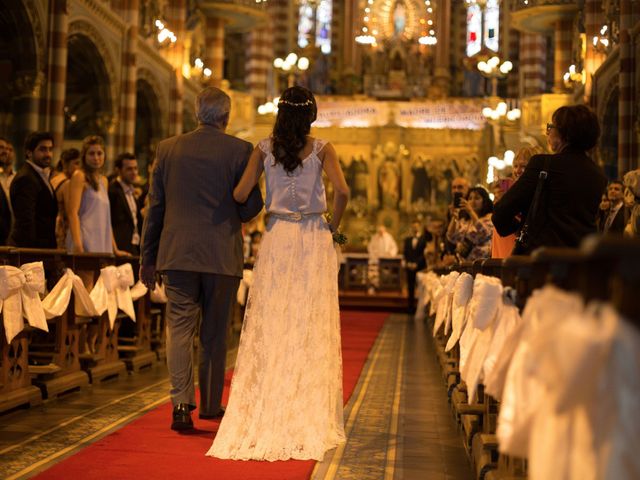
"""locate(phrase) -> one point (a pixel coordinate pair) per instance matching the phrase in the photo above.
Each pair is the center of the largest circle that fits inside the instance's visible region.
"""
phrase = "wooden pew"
(15, 381)
(54, 357)
(99, 356)
(135, 349)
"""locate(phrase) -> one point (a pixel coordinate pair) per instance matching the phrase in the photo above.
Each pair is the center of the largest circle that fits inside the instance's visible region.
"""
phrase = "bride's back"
(299, 191)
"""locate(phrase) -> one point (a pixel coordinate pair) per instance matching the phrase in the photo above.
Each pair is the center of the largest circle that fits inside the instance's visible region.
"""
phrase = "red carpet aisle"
(147, 448)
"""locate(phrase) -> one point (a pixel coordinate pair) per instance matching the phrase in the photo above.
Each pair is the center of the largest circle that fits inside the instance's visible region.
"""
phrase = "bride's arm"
(332, 168)
(249, 177)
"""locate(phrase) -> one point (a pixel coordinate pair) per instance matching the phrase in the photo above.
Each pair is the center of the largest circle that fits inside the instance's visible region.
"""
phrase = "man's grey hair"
(213, 107)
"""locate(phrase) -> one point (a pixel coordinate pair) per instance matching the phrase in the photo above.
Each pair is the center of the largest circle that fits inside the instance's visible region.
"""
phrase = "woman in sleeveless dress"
(88, 209)
(286, 393)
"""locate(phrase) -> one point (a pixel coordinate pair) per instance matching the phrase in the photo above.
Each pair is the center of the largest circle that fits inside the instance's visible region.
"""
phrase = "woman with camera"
(570, 186)
(471, 228)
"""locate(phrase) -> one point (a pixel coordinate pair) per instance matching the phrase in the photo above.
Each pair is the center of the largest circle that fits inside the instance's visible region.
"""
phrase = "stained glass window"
(323, 26)
(305, 24)
(474, 30)
(492, 25)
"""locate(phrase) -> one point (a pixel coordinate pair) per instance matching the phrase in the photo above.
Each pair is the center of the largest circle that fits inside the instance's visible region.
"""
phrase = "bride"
(286, 393)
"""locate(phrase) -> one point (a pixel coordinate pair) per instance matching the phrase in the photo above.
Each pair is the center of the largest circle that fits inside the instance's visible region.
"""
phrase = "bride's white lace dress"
(286, 391)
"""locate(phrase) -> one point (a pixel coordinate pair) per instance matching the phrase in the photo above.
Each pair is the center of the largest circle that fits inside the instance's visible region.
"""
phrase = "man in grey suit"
(192, 235)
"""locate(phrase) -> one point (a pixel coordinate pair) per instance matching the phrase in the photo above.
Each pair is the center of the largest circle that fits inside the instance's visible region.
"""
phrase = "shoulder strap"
(318, 145)
(531, 214)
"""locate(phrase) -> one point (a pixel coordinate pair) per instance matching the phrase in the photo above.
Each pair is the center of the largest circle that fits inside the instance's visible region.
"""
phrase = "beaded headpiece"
(306, 103)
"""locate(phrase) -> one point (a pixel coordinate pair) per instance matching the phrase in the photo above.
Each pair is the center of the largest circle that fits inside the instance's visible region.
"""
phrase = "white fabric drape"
(20, 290)
(57, 301)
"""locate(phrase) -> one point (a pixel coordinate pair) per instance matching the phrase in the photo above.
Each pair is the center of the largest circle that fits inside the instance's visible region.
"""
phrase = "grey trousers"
(193, 297)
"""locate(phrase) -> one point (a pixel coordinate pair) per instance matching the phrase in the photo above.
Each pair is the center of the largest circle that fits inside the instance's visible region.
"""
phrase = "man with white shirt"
(126, 219)
(32, 198)
(616, 218)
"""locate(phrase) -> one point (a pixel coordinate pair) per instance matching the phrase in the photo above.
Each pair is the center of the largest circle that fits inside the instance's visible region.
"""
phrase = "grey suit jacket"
(193, 223)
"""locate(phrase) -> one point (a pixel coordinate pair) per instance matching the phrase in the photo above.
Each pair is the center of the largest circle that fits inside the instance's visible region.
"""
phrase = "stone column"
(176, 17)
(625, 106)
(532, 64)
(562, 53)
(125, 140)
(442, 73)
(258, 65)
(594, 19)
(28, 88)
(214, 56)
(56, 72)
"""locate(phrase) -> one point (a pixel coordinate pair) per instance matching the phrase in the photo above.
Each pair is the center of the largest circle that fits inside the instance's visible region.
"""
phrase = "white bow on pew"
(461, 296)
(245, 285)
(112, 292)
(20, 290)
(57, 301)
(445, 299)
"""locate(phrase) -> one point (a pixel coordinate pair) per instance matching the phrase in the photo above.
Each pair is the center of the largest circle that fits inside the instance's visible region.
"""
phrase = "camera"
(457, 196)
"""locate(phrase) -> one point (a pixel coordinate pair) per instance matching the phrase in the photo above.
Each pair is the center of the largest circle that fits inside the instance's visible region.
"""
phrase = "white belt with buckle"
(293, 216)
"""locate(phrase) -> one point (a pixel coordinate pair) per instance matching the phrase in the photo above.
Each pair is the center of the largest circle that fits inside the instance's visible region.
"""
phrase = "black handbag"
(523, 239)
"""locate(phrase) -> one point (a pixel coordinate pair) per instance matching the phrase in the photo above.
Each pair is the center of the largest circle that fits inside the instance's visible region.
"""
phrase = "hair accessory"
(296, 104)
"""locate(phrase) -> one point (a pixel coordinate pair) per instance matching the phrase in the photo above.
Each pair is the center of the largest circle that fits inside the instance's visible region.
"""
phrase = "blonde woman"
(88, 210)
(501, 247)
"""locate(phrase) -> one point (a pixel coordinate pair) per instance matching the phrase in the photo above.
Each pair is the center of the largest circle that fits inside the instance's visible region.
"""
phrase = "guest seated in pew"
(88, 209)
(69, 162)
(570, 193)
(471, 229)
(632, 202)
(32, 198)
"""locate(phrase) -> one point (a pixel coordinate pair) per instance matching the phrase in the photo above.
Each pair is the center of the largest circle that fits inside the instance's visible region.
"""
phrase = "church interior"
(455, 367)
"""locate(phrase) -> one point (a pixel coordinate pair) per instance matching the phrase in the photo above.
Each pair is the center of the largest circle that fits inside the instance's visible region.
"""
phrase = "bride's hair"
(296, 112)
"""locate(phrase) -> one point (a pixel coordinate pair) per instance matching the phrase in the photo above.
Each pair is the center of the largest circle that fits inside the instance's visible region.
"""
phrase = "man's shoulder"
(25, 175)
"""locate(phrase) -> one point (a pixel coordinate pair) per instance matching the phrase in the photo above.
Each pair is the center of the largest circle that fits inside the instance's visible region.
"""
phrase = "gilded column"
(562, 53)
(625, 106)
(532, 64)
(57, 71)
(125, 141)
(214, 56)
(442, 71)
(176, 17)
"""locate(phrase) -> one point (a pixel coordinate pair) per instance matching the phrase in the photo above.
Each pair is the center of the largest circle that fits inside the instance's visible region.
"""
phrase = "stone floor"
(398, 422)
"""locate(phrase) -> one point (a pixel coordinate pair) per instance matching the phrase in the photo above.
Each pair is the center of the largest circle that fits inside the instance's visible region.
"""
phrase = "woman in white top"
(286, 394)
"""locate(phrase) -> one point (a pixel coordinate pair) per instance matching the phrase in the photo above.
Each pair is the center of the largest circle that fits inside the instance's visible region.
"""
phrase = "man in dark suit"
(617, 216)
(5, 208)
(414, 247)
(571, 192)
(34, 204)
(192, 234)
(126, 219)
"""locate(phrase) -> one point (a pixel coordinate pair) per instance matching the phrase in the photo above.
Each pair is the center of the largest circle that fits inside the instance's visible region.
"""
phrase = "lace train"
(286, 391)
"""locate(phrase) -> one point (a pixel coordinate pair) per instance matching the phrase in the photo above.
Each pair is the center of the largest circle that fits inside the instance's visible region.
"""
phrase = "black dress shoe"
(214, 416)
(182, 417)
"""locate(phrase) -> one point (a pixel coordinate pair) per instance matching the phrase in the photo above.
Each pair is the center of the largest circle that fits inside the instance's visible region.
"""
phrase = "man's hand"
(148, 276)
